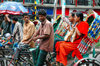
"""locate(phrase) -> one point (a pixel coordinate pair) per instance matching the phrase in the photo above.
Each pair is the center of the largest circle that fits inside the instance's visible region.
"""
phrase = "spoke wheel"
(2, 63)
(88, 62)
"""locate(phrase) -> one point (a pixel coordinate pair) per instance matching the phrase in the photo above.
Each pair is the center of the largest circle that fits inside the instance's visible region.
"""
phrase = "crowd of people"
(28, 34)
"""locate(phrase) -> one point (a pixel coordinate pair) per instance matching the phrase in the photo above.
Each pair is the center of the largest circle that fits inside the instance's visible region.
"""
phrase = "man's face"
(26, 18)
(42, 18)
(71, 19)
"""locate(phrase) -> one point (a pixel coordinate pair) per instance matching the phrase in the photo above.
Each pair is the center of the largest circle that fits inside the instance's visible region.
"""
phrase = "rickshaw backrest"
(94, 29)
(93, 34)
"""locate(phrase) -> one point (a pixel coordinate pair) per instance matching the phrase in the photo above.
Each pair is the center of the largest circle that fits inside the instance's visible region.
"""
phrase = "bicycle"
(90, 61)
(21, 57)
(4, 51)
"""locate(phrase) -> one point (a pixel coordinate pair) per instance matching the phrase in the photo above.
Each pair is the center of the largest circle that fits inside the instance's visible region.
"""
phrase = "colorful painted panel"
(94, 29)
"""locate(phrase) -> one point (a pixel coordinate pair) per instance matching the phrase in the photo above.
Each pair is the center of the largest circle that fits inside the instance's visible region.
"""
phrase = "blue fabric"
(13, 6)
(15, 44)
(12, 27)
(1, 45)
(49, 11)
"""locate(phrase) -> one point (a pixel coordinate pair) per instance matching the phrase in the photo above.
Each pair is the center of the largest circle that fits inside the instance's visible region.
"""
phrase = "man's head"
(26, 17)
(48, 18)
(71, 17)
(14, 20)
(42, 15)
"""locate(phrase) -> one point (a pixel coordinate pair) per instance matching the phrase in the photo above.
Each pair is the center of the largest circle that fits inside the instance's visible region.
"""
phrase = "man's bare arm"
(8, 17)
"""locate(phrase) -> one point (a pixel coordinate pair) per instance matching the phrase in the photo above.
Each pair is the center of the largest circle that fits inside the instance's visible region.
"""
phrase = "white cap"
(7, 35)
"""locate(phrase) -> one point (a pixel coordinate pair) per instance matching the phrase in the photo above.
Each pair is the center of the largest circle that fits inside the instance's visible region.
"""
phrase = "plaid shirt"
(17, 32)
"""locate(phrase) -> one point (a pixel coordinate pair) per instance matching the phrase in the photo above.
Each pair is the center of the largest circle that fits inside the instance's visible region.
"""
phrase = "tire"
(8, 61)
(27, 64)
(2, 63)
(88, 62)
(16, 63)
(97, 55)
(51, 59)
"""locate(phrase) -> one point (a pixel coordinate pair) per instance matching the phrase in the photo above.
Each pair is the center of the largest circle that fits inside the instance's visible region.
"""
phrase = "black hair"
(48, 18)
(80, 14)
(15, 19)
(73, 14)
(25, 14)
(42, 12)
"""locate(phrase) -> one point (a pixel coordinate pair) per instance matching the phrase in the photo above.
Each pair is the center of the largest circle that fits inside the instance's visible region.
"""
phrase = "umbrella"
(13, 8)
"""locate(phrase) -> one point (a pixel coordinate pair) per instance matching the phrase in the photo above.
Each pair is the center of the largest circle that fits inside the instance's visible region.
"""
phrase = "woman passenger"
(63, 48)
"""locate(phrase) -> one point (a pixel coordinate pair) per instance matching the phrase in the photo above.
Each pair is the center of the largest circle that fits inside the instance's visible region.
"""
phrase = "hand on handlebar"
(26, 42)
(34, 39)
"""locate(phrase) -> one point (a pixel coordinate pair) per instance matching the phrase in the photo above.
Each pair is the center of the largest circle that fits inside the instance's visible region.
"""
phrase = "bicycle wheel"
(27, 64)
(8, 62)
(88, 62)
(2, 63)
(13, 63)
(17, 64)
(51, 59)
(97, 55)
